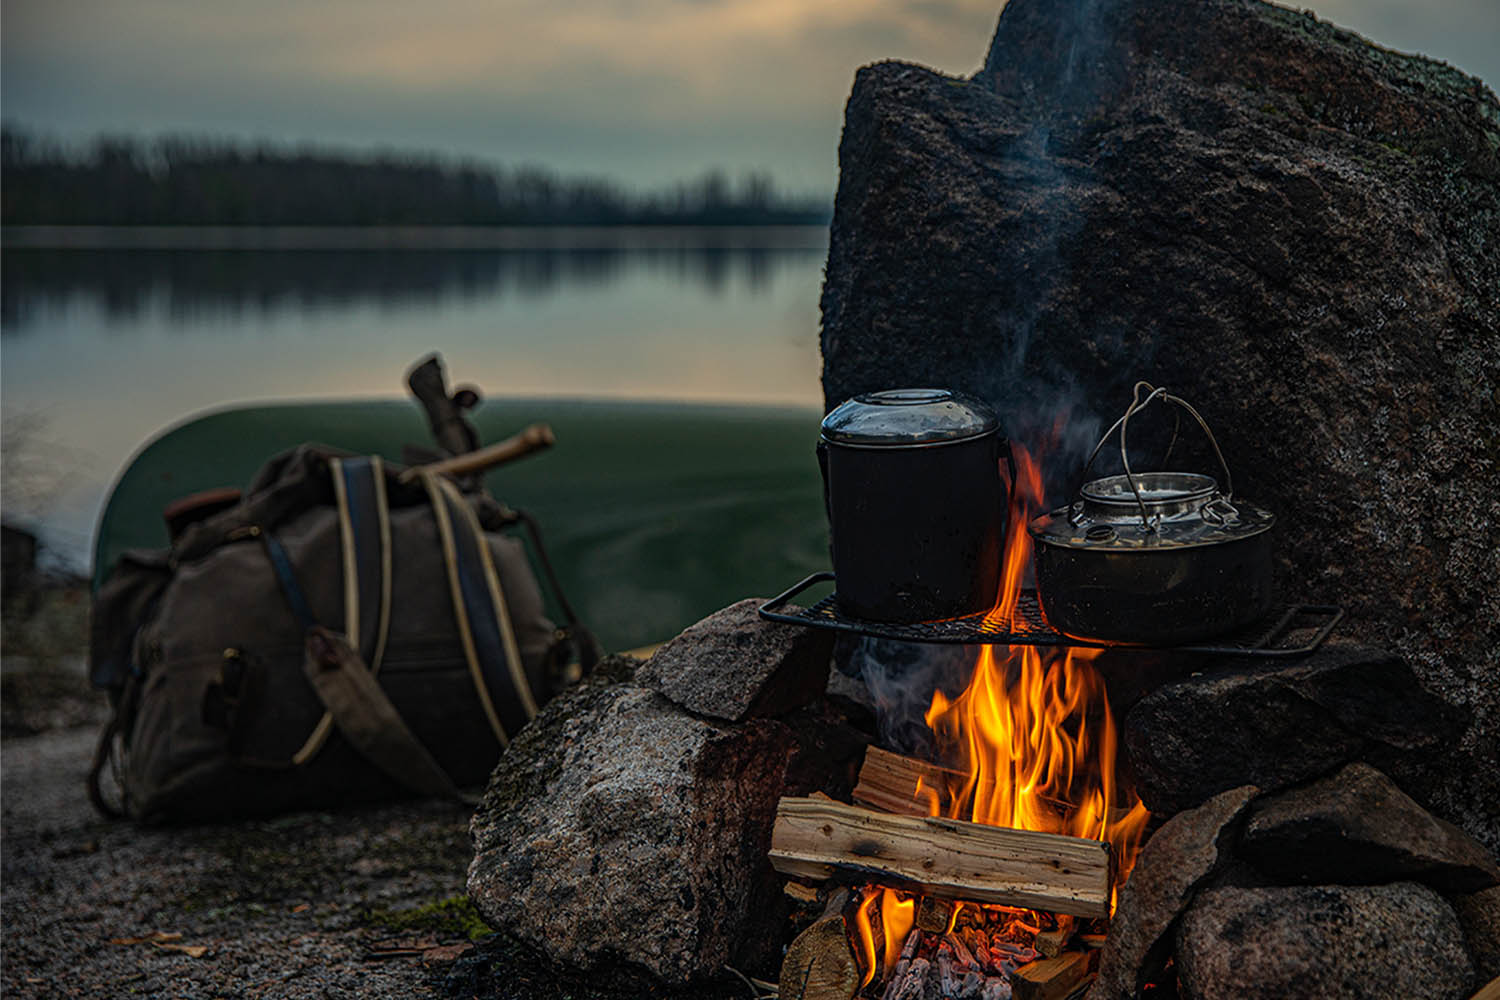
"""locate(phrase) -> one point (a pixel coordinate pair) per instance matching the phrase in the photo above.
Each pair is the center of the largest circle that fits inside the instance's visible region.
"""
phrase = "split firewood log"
(820, 965)
(1052, 978)
(1051, 943)
(949, 859)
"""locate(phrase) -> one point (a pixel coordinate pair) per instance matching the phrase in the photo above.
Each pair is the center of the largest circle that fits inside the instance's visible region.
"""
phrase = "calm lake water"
(104, 348)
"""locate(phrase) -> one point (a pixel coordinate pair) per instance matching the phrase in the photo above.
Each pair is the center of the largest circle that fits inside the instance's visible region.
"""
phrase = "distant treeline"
(198, 182)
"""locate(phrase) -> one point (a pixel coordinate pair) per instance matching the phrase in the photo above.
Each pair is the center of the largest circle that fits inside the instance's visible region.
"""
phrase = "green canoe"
(655, 514)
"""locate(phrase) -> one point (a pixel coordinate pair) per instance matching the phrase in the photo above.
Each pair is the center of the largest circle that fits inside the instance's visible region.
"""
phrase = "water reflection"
(111, 343)
(188, 286)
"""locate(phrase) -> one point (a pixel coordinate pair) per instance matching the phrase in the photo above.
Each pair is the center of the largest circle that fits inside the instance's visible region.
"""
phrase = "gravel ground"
(364, 903)
(311, 905)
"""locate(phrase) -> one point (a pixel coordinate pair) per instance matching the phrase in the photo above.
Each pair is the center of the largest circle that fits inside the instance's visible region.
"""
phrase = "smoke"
(901, 677)
(1052, 343)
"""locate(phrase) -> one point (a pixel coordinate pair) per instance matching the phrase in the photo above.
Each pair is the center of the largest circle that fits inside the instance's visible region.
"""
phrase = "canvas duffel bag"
(350, 631)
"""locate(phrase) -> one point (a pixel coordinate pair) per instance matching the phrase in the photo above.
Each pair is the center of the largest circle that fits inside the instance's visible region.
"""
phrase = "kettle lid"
(894, 418)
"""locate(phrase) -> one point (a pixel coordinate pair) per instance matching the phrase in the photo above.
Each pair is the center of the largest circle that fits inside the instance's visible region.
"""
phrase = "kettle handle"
(1010, 481)
(1137, 404)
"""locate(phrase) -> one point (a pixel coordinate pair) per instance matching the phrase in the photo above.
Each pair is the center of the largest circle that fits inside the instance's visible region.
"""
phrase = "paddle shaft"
(536, 437)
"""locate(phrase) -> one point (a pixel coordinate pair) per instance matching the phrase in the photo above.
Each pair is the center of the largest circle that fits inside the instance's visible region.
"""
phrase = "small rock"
(1174, 863)
(1399, 940)
(1274, 727)
(619, 828)
(1479, 914)
(1356, 827)
(735, 665)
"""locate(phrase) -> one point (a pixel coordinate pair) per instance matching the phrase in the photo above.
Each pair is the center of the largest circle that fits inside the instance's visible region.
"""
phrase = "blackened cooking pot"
(916, 503)
(1159, 558)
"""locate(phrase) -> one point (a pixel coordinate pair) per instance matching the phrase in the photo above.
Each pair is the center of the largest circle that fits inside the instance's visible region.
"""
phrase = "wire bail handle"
(1218, 511)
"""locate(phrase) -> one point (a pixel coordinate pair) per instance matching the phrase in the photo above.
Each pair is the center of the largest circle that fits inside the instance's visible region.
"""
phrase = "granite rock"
(618, 828)
(1356, 827)
(1330, 942)
(1275, 725)
(1284, 223)
(1479, 915)
(1178, 858)
(735, 665)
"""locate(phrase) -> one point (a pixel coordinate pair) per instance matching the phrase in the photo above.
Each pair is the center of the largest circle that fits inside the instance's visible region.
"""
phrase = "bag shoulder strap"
(480, 610)
(365, 544)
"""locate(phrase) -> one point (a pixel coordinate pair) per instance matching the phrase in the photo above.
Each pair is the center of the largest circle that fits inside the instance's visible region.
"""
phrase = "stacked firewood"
(999, 913)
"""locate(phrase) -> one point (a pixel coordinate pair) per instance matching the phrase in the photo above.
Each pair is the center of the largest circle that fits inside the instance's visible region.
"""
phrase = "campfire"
(992, 870)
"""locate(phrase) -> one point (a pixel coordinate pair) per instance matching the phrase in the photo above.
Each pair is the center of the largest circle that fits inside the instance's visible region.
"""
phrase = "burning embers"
(968, 951)
(984, 876)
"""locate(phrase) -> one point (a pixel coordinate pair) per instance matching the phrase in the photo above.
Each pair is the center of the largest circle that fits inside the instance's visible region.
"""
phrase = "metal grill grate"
(1288, 630)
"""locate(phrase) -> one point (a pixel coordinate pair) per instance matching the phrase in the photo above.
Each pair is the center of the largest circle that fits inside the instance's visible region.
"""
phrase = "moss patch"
(454, 915)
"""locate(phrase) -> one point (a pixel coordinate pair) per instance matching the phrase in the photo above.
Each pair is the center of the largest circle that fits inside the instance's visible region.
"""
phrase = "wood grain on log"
(1051, 943)
(820, 965)
(889, 782)
(947, 858)
(1051, 978)
(800, 893)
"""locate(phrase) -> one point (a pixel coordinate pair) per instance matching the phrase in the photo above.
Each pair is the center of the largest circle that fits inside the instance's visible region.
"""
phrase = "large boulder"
(1287, 225)
(1328, 941)
(619, 829)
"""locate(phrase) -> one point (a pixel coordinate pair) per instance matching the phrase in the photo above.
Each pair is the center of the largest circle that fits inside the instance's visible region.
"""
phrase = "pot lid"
(896, 418)
(1172, 510)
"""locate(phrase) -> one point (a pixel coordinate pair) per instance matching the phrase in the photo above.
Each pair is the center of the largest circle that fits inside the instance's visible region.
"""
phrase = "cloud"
(653, 88)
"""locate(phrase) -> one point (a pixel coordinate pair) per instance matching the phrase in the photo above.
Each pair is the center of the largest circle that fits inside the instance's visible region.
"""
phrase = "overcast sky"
(649, 91)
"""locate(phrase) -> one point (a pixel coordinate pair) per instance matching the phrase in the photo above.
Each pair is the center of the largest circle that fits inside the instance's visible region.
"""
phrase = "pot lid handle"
(1137, 404)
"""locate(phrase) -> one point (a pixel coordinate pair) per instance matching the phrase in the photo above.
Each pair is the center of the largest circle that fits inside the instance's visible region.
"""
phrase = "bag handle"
(481, 612)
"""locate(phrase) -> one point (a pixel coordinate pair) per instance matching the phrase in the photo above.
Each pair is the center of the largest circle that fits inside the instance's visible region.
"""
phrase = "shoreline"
(563, 238)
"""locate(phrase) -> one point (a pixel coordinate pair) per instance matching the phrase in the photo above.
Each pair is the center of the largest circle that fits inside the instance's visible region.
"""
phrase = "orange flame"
(1025, 497)
(896, 918)
(1031, 738)
(1032, 735)
(1038, 749)
(862, 926)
